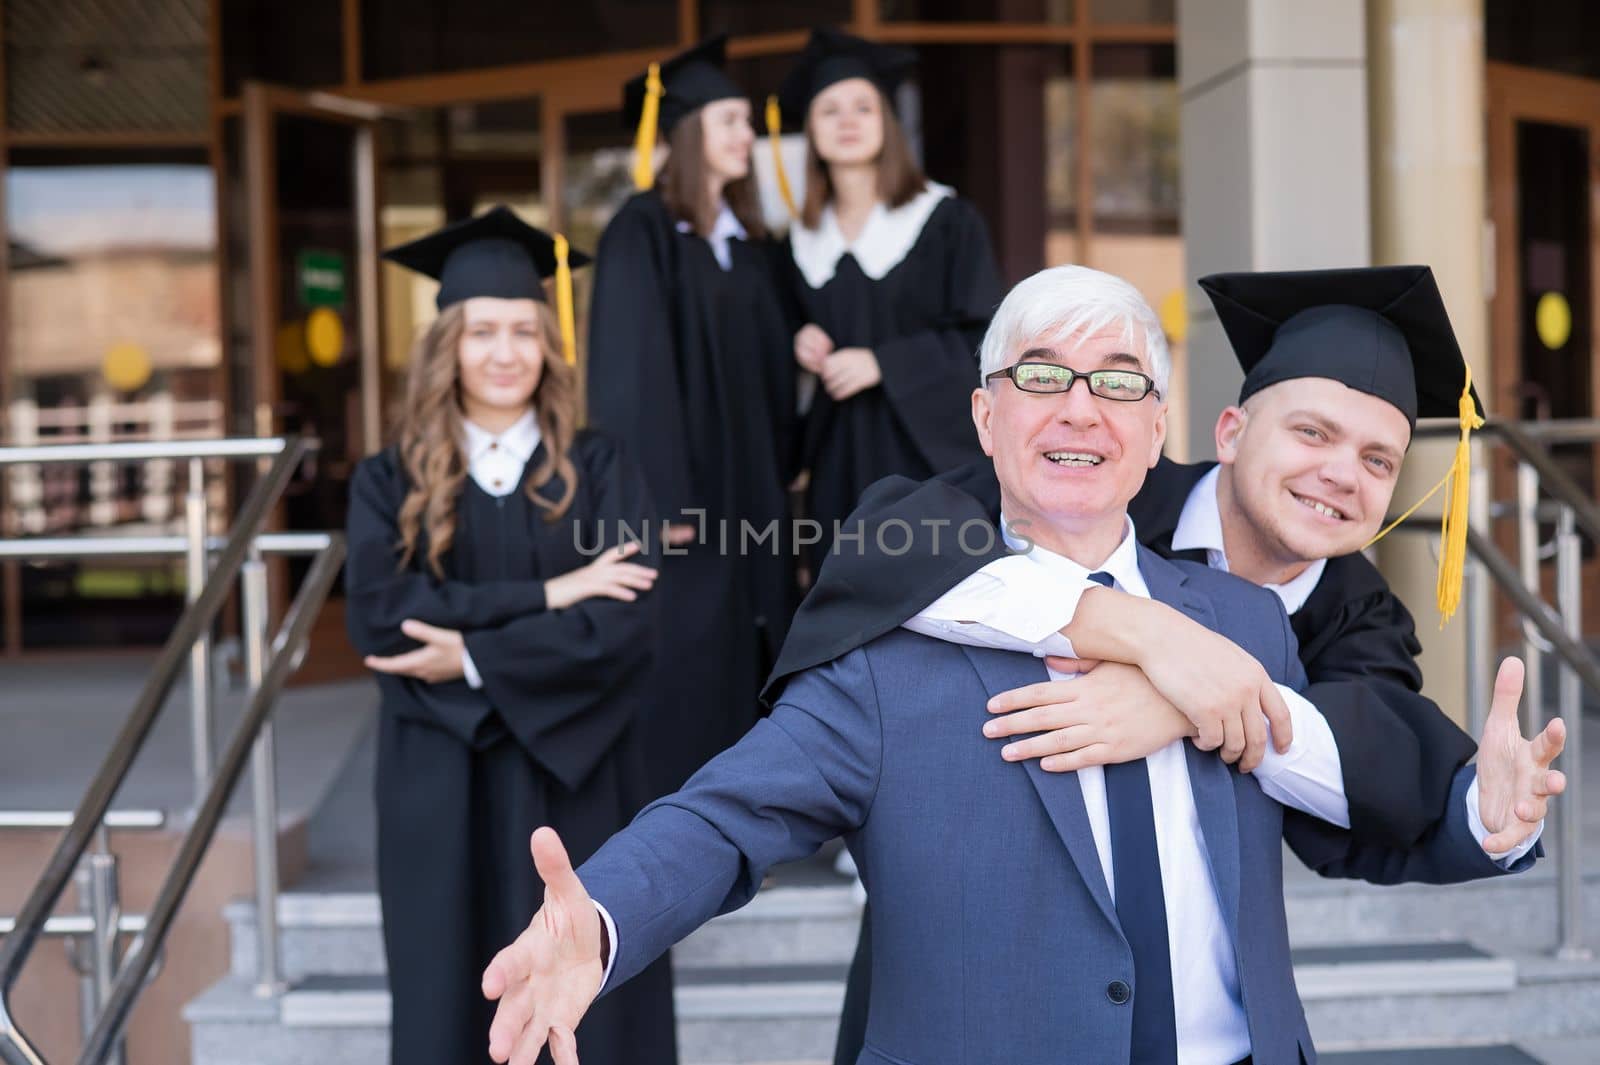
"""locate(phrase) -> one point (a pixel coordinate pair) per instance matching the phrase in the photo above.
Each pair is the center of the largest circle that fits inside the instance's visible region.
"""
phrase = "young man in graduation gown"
(689, 366)
(511, 658)
(895, 278)
(1339, 364)
(1158, 879)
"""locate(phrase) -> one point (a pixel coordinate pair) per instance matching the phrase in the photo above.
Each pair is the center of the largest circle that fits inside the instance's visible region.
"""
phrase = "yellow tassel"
(1453, 524)
(774, 128)
(569, 328)
(644, 143)
(1453, 527)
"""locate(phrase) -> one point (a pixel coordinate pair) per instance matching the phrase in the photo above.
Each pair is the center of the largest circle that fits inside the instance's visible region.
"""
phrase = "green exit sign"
(321, 279)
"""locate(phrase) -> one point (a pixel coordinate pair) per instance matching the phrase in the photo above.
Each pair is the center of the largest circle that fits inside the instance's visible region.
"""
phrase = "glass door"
(1544, 155)
(311, 200)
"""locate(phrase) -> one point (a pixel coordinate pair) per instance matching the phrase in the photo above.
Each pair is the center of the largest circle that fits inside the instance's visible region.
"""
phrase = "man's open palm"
(1515, 781)
(549, 976)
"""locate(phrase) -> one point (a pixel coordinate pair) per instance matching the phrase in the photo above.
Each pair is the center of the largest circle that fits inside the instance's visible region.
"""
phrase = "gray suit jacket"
(995, 938)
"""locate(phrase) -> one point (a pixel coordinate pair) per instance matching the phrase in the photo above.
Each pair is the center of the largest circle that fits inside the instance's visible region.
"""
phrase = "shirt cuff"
(610, 960)
(1013, 596)
(1480, 832)
(469, 670)
(1309, 775)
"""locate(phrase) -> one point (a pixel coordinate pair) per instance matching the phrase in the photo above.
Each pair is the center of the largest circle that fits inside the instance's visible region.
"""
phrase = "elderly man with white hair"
(1132, 914)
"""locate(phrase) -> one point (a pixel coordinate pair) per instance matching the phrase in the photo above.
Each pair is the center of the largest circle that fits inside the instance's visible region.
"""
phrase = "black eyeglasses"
(1124, 386)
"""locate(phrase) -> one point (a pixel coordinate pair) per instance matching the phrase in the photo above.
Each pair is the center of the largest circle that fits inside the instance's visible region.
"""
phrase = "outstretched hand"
(547, 979)
(1515, 781)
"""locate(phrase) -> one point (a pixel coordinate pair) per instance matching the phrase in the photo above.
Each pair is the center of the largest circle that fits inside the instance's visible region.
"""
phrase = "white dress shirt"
(724, 229)
(496, 463)
(1021, 603)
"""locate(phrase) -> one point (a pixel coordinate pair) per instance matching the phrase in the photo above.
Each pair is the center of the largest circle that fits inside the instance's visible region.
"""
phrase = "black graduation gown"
(691, 366)
(465, 776)
(924, 320)
(1357, 642)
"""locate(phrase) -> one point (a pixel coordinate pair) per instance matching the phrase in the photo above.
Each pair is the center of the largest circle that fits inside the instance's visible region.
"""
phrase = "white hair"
(1061, 302)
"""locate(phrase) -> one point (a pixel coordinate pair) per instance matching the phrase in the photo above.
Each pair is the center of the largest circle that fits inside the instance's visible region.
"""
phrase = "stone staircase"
(1387, 975)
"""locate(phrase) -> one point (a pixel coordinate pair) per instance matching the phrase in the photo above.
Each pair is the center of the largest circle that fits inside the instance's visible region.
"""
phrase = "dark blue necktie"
(1141, 905)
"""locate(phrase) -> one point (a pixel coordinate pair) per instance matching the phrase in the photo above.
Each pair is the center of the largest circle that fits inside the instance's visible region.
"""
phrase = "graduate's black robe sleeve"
(928, 375)
(1446, 853)
(1398, 750)
(379, 595)
(567, 682)
(635, 379)
(859, 596)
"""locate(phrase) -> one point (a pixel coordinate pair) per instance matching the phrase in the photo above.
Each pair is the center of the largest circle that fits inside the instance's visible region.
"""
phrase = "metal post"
(95, 954)
(1569, 815)
(106, 906)
(196, 571)
(263, 775)
(1528, 560)
(1479, 595)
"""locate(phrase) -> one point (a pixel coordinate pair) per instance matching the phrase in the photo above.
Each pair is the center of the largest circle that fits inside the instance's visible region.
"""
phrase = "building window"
(113, 336)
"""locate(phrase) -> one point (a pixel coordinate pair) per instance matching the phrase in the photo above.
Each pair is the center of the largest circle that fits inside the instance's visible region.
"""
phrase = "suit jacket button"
(1118, 992)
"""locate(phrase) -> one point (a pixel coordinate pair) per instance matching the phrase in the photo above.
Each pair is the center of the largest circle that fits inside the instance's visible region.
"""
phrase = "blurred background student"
(689, 364)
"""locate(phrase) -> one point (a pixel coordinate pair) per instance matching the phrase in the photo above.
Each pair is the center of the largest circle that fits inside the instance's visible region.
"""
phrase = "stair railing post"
(197, 567)
(1569, 815)
(264, 784)
(1479, 594)
(1528, 563)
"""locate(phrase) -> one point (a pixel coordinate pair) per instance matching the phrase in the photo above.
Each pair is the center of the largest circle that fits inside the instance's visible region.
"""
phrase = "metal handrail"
(118, 819)
(1530, 606)
(247, 447)
(69, 547)
(192, 625)
(80, 924)
(288, 649)
(1552, 478)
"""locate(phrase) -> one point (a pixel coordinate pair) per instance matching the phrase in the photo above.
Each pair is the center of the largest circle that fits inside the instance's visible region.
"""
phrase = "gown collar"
(885, 240)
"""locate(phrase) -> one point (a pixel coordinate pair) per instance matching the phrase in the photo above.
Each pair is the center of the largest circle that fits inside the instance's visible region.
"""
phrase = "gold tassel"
(644, 143)
(774, 128)
(1453, 527)
(569, 328)
(1453, 524)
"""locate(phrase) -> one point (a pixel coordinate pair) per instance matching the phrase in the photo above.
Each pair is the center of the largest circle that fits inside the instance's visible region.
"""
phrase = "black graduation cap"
(1382, 330)
(831, 56)
(689, 80)
(495, 254)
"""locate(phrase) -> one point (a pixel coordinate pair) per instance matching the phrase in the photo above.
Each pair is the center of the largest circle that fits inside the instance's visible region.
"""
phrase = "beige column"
(1274, 170)
(1425, 67)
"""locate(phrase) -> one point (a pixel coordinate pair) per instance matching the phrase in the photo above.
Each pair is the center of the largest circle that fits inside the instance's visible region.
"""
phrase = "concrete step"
(816, 924)
(342, 933)
(1397, 999)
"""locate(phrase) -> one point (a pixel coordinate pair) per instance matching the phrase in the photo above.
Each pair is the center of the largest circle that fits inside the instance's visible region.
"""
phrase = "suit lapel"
(1210, 779)
(1060, 793)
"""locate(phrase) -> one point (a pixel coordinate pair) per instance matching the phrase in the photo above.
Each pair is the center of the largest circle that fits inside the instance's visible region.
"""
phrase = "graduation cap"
(496, 254)
(660, 98)
(1381, 330)
(830, 56)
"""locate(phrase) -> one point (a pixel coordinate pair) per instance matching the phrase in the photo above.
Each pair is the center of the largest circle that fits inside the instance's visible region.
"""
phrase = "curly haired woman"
(509, 654)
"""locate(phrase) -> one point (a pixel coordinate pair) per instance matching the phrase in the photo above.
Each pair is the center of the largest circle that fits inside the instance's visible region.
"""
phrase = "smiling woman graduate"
(689, 365)
(896, 279)
(510, 664)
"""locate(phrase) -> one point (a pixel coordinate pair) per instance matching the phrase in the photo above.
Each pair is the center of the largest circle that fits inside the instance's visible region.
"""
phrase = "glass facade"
(492, 102)
(112, 335)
